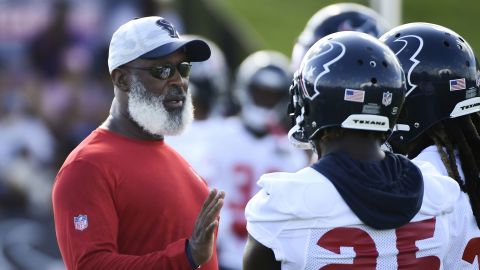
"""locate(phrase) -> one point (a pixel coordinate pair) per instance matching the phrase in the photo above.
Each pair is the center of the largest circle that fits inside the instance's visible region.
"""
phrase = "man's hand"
(202, 240)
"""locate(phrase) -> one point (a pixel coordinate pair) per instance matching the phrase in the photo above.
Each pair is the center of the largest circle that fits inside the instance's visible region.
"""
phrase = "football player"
(252, 144)
(441, 109)
(209, 81)
(357, 207)
(336, 18)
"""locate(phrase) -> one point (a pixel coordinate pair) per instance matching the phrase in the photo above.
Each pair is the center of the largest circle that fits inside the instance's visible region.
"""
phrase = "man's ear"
(120, 79)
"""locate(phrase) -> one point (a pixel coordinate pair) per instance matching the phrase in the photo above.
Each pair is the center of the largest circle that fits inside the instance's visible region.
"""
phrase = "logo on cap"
(166, 25)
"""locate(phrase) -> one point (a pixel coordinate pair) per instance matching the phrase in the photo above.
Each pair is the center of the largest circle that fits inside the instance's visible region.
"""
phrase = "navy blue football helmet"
(441, 75)
(349, 80)
(335, 18)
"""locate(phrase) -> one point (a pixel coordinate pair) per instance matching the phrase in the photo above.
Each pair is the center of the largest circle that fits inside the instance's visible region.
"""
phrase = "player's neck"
(358, 148)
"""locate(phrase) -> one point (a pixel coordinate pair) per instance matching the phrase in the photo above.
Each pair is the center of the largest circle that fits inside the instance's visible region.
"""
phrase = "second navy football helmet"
(441, 74)
(335, 18)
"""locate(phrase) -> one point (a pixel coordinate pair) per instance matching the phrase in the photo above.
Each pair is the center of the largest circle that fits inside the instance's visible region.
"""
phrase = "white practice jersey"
(196, 145)
(305, 221)
(239, 159)
(464, 253)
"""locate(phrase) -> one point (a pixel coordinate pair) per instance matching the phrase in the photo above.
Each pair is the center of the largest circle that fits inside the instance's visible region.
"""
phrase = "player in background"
(335, 18)
(441, 109)
(357, 207)
(251, 144)
(209, 81)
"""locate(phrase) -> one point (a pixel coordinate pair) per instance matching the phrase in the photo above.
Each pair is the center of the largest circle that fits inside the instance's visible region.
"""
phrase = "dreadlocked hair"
(458, 134)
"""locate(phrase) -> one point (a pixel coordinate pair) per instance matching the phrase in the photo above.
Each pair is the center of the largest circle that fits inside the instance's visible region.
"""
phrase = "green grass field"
(275, 24)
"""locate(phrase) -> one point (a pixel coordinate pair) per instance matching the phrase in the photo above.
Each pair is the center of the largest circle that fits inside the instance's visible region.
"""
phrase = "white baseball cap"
(151, 38)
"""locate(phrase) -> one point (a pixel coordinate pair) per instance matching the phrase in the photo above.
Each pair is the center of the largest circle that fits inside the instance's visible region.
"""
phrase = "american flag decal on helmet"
(458, 84)
(80, 222)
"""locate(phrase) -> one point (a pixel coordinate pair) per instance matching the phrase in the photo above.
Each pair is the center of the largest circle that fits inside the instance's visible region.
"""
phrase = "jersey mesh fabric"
(463, 225)
(319, 257)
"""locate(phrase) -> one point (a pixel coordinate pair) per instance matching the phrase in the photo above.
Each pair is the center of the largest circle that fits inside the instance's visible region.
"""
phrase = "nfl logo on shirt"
(80, 222)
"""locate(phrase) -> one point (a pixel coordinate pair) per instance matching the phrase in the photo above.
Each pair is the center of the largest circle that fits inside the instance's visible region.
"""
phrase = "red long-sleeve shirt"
(139, 201)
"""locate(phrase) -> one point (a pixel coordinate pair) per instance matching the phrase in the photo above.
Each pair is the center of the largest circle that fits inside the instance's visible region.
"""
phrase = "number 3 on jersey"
(244, 180)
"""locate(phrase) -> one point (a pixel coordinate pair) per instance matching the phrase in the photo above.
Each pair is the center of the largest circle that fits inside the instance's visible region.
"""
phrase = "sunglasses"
(166, 71)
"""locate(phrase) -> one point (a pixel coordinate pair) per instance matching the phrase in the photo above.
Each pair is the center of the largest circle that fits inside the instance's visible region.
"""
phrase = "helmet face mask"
(261, 88)
(441, 76)
(348, 80)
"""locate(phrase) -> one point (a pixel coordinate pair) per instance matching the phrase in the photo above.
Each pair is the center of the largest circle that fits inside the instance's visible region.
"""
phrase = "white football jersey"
(463, 254)
(305, 221)
(238, 160)
(196, 143)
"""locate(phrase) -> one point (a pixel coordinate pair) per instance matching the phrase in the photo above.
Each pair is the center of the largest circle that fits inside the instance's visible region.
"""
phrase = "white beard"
(148, 111)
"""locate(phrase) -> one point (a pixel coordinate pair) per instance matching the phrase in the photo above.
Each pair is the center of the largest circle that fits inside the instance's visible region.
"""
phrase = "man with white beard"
(124, 199)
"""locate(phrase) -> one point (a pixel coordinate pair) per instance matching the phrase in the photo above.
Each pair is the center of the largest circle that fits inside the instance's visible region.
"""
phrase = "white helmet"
(261, 88)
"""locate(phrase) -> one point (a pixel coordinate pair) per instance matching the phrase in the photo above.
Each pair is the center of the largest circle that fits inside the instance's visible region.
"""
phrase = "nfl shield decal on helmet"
(80, 222)
(387, 98)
